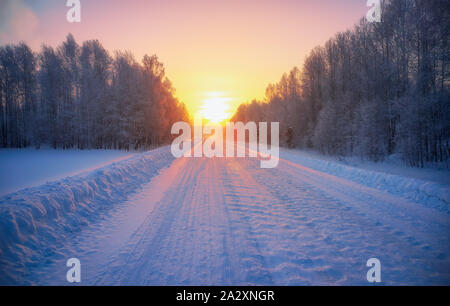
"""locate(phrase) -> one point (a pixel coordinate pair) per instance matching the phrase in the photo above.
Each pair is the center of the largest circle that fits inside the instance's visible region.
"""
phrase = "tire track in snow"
(190, 238)
(413, 241)
(225, 221)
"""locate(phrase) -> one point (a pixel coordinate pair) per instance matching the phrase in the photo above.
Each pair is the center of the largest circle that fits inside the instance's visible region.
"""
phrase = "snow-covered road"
(226, 221)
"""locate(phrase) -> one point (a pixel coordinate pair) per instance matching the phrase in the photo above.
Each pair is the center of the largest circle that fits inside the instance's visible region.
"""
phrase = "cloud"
(17, 21)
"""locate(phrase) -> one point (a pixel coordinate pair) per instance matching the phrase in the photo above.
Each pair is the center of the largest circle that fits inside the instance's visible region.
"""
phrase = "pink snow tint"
(153, 220)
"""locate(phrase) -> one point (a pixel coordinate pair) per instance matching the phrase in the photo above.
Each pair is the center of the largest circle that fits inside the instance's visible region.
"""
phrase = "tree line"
(373, 91)
(81, 97)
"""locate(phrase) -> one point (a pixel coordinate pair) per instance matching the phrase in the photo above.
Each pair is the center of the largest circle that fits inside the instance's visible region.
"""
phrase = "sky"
(226, 49)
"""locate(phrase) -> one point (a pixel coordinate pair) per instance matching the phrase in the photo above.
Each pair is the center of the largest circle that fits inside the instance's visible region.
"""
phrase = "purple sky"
(230, 47)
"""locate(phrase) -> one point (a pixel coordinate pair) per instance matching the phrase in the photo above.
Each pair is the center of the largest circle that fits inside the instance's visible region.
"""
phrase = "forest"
(81, 97)
(373, 91)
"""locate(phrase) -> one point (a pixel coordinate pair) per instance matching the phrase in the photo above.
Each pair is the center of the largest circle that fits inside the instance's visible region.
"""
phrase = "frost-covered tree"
(379, 89)
(73, 96)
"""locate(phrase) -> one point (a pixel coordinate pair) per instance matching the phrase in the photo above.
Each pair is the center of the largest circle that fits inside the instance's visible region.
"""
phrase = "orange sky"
(231, 48)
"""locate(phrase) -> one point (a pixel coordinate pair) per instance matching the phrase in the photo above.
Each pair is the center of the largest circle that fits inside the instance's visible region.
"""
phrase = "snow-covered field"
(153, 220)
(392, 165)
(428, 187)
(29, 167)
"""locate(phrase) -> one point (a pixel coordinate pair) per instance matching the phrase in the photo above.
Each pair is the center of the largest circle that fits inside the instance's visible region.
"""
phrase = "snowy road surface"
(226, 221)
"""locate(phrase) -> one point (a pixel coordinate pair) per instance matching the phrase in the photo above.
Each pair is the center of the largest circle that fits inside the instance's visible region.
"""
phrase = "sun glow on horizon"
(216, 107)
(236, 47)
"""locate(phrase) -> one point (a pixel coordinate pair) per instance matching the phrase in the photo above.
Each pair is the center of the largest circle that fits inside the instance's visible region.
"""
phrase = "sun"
(216, 107)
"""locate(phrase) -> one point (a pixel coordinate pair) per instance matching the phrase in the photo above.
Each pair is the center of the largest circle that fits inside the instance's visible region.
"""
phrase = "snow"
(391, 165)
(153, 220)
(35, 221)
(23, 168)
(425, 186)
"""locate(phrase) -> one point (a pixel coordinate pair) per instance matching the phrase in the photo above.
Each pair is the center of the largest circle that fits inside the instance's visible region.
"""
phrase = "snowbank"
(26, 168)
(430, 194)
(35, 221)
